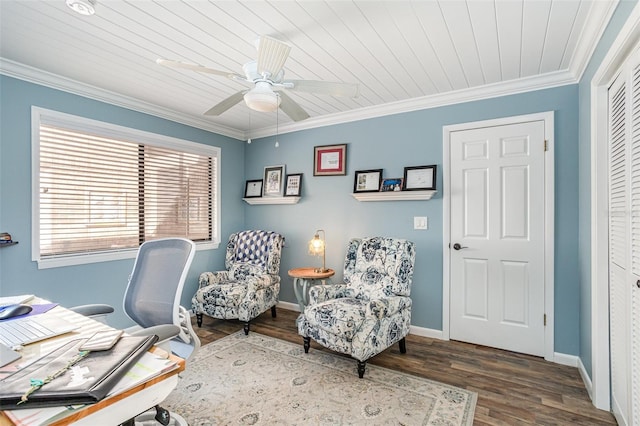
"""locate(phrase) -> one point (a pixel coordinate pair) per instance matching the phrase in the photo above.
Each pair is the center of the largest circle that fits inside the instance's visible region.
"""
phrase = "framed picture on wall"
(419, 178)
(330, 160)
(273, 181)
(391, 184)
(253, 188)
(293, 186)
(367, 180)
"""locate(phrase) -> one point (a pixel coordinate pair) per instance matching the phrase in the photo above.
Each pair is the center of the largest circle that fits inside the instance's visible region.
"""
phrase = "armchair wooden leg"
(403, 346)
(199, 319)
(273, 311)
(361, 367)
(246, 328)
(307, 344)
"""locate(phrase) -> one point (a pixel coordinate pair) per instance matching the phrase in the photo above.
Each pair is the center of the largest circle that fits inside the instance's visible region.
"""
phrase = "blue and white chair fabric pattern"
(250, 284)
(371, 310)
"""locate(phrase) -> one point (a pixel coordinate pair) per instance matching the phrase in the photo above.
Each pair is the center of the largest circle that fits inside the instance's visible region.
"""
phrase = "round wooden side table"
(304, 279)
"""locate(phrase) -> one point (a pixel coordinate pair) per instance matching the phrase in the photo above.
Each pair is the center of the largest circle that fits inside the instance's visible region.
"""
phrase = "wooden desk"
(112, 410)
(304, 279)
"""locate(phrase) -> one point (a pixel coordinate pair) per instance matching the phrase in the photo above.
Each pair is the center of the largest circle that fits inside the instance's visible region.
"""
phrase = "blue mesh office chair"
(152, 300)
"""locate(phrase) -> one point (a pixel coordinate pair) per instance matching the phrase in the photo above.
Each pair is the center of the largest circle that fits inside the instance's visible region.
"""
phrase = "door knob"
(638, 283)
(457, 246)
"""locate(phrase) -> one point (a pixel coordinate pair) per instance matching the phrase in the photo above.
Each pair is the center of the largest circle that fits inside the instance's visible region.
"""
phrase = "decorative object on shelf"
(330, 160)
(419, 178)
(317, 248)
(294, 185)
(6, 240)
(253, 188)
(273, 181)
(367, 180)
(391, 184)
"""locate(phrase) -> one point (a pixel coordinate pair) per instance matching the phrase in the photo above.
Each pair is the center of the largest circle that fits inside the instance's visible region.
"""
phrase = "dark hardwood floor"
(513, 389)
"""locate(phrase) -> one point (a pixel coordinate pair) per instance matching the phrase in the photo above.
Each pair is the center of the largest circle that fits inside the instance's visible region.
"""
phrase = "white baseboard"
(585, 378)
(564, 359)
(426, 332)
(288, 305)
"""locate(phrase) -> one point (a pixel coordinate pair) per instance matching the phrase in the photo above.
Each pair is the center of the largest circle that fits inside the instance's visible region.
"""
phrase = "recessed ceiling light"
(83, 7)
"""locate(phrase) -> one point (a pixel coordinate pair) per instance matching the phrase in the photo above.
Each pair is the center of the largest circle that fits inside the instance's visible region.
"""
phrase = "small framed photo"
(273, 181)
(367, 180)
(294, 185)
(330, 160)
(253, 188)
(391, 184)
(419, 178)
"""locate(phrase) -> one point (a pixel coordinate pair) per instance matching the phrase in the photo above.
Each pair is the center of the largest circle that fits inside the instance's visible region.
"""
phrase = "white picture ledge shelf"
(394, 196)
(272, 200)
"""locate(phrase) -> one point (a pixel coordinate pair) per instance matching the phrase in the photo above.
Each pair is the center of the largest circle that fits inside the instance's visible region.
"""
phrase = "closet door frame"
(598, 384)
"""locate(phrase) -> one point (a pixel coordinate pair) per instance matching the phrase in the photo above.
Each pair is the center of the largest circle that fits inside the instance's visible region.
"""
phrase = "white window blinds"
(102, 190)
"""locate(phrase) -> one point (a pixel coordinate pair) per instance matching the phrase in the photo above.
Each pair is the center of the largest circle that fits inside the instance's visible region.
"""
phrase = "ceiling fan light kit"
(262, 98)
(266, 74)
(83, 7)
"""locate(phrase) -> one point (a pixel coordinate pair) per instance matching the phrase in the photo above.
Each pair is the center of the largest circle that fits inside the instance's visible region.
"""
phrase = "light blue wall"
(101, 282)
(412, 139)
(584, 154)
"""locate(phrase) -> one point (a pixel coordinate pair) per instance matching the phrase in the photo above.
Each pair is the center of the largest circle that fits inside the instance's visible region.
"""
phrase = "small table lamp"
(317, 248)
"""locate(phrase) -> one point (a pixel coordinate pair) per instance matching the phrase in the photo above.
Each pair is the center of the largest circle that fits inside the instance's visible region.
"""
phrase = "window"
(101, 190)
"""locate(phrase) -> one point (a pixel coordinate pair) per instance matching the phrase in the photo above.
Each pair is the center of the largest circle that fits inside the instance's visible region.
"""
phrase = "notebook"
(31, 329)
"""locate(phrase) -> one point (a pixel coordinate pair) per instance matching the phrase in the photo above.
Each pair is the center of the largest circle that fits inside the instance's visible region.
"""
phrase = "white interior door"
(497, 236)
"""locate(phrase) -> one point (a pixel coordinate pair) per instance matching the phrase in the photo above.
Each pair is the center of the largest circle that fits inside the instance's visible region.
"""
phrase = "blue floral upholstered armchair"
(251, 283)
(371, 310)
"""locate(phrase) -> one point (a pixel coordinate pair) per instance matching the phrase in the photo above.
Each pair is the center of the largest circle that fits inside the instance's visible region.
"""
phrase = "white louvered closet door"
(624, 242)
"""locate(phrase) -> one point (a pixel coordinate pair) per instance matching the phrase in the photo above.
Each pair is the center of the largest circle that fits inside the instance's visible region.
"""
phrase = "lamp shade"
(317, 248)
(262, 98)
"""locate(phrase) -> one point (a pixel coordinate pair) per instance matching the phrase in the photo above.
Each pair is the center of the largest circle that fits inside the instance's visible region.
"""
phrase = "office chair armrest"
(322, 293)
(163, 331)
(209, 278)
(387, 306)
(92, 309)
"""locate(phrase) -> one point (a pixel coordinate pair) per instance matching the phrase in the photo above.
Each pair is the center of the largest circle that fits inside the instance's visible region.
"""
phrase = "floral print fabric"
(251, 283)
(372, 309)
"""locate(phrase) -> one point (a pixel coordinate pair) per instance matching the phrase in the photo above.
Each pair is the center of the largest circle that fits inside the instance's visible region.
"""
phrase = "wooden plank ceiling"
(403, 54)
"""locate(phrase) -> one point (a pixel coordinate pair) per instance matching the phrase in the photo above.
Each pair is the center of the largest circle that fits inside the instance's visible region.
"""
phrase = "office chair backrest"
(155, 286)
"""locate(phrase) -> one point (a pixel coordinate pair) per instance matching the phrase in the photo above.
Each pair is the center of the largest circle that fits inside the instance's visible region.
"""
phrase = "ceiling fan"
(265, 76)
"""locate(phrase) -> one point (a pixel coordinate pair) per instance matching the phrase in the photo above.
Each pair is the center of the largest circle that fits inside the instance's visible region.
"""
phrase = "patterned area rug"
(260, 380)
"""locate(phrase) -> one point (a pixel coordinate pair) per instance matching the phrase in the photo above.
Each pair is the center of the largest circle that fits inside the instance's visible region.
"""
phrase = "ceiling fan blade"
(325, 88)
(226, 104)
(272, 54)
(198, 68)
(291, 108)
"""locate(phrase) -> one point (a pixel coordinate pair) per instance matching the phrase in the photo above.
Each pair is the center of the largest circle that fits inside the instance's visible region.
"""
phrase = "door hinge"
(546, 145)
(545, 320)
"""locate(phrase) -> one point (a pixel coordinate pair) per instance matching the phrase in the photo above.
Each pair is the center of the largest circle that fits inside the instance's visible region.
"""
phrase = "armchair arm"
(387, 306)
(321, 293)
(209, 278)
(256, 283)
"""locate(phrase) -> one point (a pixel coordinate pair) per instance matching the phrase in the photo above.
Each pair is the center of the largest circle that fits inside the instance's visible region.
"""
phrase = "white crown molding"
(512, 87)
(44, 78)
(528, 84)
(598, 19)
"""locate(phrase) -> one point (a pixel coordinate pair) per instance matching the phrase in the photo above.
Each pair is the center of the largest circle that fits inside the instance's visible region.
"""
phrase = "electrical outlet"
(420, 222)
